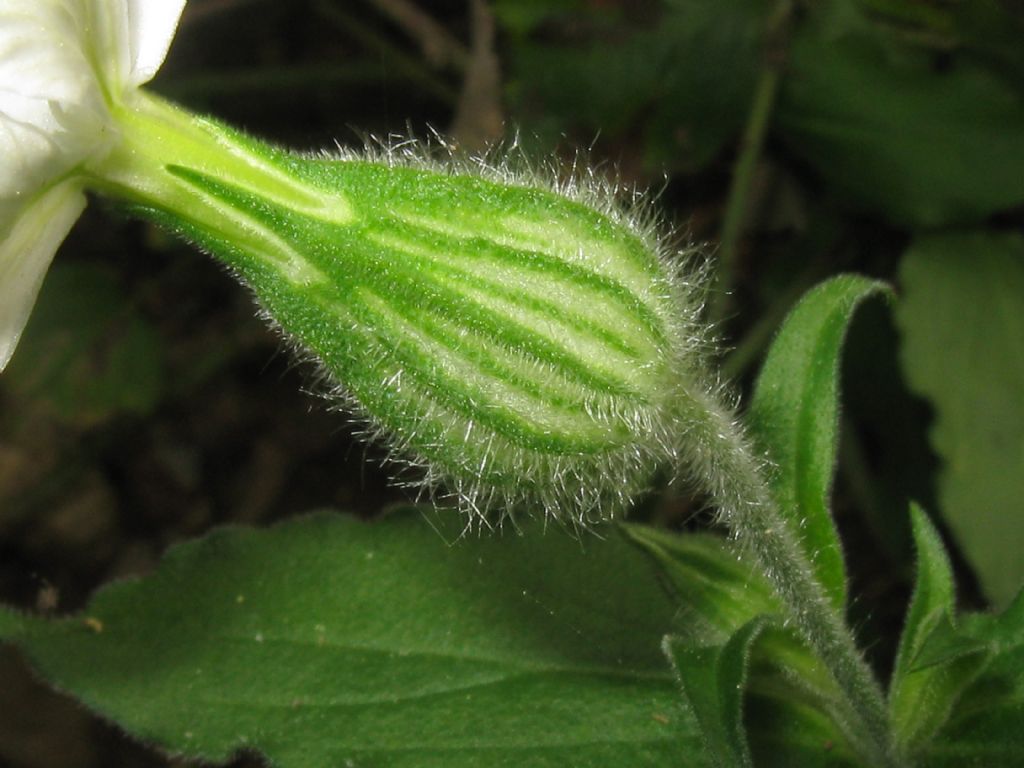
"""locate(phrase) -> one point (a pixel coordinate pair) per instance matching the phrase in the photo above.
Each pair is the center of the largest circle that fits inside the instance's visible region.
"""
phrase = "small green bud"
(517, 344)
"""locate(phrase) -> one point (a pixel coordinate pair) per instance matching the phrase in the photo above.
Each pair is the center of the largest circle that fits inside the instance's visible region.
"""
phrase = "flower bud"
(517, 345)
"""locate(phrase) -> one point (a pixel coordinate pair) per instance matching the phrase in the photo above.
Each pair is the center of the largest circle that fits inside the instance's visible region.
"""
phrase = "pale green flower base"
(515, 346)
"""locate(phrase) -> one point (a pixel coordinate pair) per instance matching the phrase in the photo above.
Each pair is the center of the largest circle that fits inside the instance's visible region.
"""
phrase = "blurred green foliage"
(922, 145)
(962, 319)
(87, 354)
(680, 87)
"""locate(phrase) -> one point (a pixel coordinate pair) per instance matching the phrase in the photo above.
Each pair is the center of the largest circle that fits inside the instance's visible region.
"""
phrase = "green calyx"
(518, 347)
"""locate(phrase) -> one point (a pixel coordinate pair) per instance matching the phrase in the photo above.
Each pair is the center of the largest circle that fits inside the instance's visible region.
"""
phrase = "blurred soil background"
(147, 403)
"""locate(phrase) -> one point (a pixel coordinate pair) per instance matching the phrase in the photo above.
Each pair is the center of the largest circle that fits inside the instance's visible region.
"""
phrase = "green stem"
(735, 481)
(737, 205)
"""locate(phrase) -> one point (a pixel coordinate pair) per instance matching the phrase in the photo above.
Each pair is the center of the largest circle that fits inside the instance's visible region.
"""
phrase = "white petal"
(25, 255)
(106, 34)
(151, 27)
(52, 112)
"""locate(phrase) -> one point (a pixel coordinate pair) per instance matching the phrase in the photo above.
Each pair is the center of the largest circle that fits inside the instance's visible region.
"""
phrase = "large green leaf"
(794, 416)
(924, 686)
(327, 641)
(922, 145)
(962, 322)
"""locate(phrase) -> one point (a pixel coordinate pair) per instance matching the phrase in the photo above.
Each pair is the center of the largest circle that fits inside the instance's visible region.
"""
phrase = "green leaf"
(883, 125)
(328, 641)
(925, 686)
(713, 679)
(957, 695)
(794, 415)
(986, 726)
(934, 599)
(961, 318)
(795, 714)
(86, 353)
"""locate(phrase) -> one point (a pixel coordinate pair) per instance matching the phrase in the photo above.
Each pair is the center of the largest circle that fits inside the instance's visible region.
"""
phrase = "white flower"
(62, 63)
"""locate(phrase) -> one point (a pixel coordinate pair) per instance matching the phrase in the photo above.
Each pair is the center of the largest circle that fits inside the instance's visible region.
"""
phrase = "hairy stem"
(735, 480)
